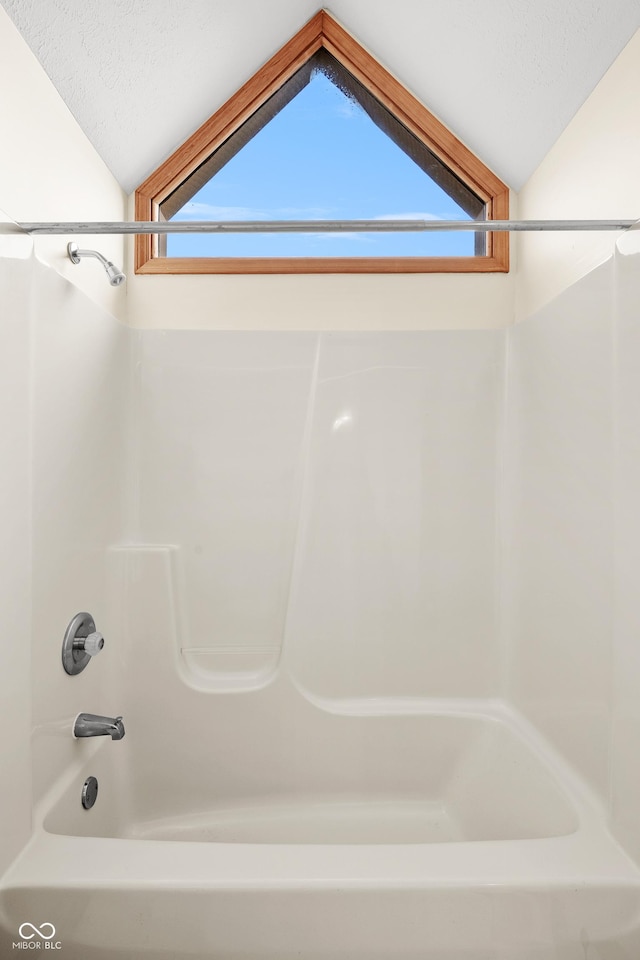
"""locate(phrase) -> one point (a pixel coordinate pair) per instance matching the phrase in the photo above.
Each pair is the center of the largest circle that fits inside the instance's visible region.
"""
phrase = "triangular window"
(322, 132)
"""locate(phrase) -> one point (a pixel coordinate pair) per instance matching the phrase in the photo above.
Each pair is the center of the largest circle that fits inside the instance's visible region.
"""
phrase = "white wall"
(332, 302)
(590, 173)
(50, 171)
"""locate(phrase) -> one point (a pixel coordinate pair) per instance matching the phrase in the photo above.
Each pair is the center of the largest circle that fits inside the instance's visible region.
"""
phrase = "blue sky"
(321, 158)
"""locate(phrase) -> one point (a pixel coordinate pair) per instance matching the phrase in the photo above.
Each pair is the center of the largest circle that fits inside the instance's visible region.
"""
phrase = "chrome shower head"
(116, 276)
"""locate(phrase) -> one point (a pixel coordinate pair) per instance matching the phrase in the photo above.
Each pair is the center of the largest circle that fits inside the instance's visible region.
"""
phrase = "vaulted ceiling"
(505, 75)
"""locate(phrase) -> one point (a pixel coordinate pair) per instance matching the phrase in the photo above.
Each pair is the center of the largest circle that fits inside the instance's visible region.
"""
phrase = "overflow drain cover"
(89, 792)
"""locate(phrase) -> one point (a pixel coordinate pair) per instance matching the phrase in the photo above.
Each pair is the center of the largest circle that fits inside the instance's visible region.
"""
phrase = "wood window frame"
(322, 31)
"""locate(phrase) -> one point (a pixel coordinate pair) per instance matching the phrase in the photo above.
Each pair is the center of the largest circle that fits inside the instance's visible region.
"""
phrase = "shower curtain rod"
(315, 226)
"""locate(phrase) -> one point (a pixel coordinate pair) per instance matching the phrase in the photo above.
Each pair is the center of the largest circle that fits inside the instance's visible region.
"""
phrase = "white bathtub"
(437, 833)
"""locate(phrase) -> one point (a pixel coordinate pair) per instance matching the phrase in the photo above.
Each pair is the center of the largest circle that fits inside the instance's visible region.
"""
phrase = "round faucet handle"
(81, 642)
(93, 644)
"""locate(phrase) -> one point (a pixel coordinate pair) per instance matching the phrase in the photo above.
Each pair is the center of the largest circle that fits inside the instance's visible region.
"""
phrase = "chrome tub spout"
(92, 725)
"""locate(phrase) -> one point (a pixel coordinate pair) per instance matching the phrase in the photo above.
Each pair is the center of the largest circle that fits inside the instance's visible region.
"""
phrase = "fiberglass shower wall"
(64, 367)
(572, 530)
(335, 494)
(15, 553)
(79, 398)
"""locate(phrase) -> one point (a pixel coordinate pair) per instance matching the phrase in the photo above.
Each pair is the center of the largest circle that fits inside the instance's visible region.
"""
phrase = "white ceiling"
(505, 75)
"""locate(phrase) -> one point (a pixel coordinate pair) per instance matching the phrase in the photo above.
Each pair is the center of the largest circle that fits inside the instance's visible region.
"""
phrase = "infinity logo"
(39, 931)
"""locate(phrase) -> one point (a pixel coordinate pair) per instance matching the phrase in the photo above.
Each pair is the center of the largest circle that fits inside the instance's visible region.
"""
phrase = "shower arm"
(114, 275)
(75, 255)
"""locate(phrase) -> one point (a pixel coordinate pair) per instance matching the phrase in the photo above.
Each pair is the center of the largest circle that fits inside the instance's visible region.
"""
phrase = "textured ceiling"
(505, 75)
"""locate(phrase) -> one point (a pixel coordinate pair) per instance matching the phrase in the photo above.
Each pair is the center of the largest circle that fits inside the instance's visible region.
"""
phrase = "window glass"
(323, 148)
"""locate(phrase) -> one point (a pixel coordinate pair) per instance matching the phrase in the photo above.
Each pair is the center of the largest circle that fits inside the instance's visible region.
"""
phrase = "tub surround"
(342, 569)
(15, 555)
(358, 507)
